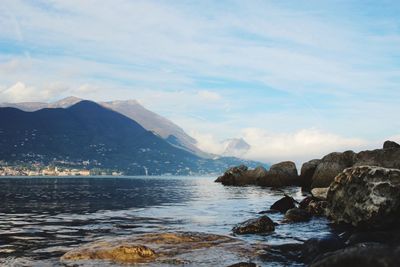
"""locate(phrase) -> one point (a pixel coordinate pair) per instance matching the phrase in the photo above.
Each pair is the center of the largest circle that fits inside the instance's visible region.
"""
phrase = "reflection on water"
(41, 218)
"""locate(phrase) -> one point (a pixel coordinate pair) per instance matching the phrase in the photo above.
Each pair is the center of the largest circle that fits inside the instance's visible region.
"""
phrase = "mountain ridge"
(132, 109)
(90, 132)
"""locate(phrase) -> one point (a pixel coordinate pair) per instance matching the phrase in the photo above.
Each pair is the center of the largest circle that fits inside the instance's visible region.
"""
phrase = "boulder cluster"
(358, 192)
(316, 173)
(280, 174)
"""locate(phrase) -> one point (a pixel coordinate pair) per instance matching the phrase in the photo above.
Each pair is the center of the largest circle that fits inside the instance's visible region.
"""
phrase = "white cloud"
(19, 92)
(208, 143)
(299, 146)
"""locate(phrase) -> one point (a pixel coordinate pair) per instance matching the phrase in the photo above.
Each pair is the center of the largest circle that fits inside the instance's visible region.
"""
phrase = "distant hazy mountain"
(168, 130)
(34, 106)
(89, 132)
(151, 121)
(235, 147)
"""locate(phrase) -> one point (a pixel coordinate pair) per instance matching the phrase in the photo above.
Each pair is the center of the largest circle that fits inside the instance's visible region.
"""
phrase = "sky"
(295, 79)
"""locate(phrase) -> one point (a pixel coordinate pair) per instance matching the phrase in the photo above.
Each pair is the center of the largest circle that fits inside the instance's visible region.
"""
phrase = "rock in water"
(284, 204)
(334, 163)
(255, 226)
(241, 175)
(319, 245)
(361, 255)
(307, 172)
(233, 176)
(162, 249)
(365, 196)
(280, 174)
(123, 252)
(297, 215)
(330, 166)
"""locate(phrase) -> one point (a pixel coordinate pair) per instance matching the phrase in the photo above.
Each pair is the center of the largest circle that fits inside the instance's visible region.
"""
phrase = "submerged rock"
(164, 248)
(280, 174)
(365, 196)
(297, 215)
(284, 204)
(255, 226)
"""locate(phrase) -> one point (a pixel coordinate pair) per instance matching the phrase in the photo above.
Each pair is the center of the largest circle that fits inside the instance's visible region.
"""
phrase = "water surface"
(42, 218)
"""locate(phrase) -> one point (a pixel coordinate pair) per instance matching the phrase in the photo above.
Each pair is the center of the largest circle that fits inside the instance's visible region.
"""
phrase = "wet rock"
(365, 196)
(305, 202)
(241, 175)
(297, 215)
(320, 192)
(320, 245)
(280, 174)
(118, 252)
(307, 172)
(255, 226)
(235, 176)
(161, 248)
(390, 144)
(361, 255)
(330, 166)
(284, 204)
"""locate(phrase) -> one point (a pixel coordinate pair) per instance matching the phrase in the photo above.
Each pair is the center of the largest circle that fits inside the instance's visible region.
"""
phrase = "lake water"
(42, 218)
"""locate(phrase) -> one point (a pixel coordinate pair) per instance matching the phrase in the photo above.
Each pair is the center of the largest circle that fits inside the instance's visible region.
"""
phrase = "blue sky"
(296, 79)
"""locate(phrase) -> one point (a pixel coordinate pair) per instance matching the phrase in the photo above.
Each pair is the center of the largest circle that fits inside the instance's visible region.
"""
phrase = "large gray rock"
(307, 172)
(235, 176)
(334, 163)
(390, 144)
(241, 175)
(360, 255)
(330, 166)
(280, 174)
(388, 158)
(365, 196)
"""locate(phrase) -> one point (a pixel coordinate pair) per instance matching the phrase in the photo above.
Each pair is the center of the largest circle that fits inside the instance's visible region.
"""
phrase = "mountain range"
(74, 131)
(151, 121)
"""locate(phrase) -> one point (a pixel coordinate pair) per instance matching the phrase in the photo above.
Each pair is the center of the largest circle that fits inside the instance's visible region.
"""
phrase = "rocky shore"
(358, 192)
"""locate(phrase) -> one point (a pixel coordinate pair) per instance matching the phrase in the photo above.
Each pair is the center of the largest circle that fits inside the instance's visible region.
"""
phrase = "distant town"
(39, 169)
